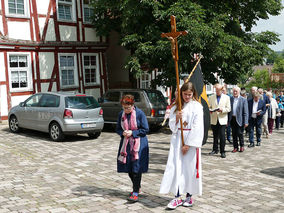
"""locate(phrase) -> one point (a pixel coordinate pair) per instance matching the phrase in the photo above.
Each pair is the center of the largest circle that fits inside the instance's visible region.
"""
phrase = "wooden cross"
(172, 36)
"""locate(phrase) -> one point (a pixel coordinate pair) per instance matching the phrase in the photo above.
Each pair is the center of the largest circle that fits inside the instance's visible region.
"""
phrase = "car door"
(28, 116)
(111, 106)
(48, 107)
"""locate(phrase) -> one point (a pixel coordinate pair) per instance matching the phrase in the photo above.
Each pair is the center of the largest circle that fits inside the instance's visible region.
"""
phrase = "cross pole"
(172, 36)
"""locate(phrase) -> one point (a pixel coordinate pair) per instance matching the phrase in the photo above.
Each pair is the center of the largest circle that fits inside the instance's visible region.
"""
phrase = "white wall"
(94, 92)
(67, 33)
(42, 6)
(18, 99)
(50, 33)
(19, 30)
(90, 35)
(2, 68)
(3, 100)
(46, 64)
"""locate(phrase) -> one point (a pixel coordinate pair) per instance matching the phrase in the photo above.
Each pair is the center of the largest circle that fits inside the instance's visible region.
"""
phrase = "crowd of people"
(257, 113)
(234, 115)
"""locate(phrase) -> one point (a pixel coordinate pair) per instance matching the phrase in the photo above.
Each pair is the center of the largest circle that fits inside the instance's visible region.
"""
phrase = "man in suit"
(257, 109)
(238, 118)
(219, 106)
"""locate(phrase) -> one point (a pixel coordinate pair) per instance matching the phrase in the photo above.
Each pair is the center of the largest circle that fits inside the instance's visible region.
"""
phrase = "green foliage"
(260, 78)
(219, 30)
(278, 67)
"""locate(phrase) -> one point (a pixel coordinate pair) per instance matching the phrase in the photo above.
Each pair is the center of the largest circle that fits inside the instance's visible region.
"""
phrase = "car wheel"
(14, 124)
(55, 132)
(94, 135)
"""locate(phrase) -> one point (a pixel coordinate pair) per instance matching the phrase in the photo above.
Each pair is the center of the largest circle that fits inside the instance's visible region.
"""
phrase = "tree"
(260, 78)
(219, 30)
(278, 66)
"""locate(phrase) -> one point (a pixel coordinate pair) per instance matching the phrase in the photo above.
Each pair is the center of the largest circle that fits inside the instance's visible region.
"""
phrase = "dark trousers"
(228, 132)
(253, 123)
(238, 133)
(218, 133)
(277, 122)
(282, 118)
(270, 125)
(136, 180)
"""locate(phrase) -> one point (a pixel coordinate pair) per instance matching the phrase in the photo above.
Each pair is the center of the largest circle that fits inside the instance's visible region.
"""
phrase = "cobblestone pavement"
(79, 175)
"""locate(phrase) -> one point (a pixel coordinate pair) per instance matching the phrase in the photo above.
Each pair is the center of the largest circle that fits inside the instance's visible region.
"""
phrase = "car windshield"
(156, 97)
(81, 102)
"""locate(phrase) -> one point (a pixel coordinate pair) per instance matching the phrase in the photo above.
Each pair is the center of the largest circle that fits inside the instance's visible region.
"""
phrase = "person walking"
(266, 100)
(273, 107)
(238, 119)
(228, 127)
(183, 172)
(133, 152)
(219, 106)
(278, 113)
(257, 109)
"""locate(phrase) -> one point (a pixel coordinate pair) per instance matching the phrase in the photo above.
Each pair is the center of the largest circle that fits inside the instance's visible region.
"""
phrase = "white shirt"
(235, 104)
(254, 109)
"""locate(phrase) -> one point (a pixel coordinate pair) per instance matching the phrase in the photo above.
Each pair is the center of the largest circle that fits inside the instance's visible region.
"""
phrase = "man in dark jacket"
(257, 109)
(238, 118)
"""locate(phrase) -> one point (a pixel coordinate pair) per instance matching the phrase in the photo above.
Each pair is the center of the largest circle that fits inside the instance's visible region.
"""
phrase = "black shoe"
(258, 144)
(251, 145)
(213, 152)
(223, 155)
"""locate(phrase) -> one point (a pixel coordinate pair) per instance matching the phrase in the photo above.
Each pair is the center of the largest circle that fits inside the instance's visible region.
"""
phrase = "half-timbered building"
(49, 45)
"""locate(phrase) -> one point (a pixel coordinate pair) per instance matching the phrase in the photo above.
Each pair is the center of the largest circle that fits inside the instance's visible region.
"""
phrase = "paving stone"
(79, 175)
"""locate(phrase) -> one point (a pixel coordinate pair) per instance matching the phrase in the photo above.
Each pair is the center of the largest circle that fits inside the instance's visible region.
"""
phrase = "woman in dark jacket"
(133, 152)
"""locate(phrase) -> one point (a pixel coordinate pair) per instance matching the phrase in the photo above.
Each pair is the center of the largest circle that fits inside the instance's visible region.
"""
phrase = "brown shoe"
(235, 150)
(242, 149)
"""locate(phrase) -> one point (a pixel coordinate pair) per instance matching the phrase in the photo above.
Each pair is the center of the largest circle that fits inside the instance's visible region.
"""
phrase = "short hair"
(219, 86)
(127, 99)
(257, 94)
(269, 94)
(237, 88)
(243, 92)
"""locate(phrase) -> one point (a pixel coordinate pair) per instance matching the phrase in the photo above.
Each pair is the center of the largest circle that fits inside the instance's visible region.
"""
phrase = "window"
(17, 7)
(91, 71)
(88, 11)
(49, 101)
(112, 97)
(65, 10)
(145, 80)
(19, 71)
(67, 69)
(33, 101)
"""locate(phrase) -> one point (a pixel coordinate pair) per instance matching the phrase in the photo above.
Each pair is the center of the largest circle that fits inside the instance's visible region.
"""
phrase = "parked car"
(151, 102)
(58, 114)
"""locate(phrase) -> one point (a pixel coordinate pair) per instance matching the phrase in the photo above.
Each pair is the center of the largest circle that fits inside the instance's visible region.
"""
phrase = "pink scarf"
(134, 142)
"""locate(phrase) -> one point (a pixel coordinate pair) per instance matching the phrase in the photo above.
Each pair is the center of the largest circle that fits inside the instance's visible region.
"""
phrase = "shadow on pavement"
(147, 200)
(277, 171)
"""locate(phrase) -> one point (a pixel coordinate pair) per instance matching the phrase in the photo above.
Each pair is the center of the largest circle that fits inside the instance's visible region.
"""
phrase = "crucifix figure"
(172, 36)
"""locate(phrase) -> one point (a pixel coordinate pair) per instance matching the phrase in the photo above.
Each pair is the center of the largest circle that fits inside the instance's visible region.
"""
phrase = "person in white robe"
(183, 173)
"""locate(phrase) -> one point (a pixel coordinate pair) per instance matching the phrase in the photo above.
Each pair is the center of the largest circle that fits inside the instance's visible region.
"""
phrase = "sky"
(274, 24)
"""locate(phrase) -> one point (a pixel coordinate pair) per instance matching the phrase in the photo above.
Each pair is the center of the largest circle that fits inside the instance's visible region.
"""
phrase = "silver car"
(58, 114)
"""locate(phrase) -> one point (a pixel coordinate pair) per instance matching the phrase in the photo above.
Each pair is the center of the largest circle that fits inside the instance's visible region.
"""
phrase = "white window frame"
(28, 69)
(73, 10)
(75, 68)
(97, 69)
(26, 10)
(145, 81)
(89, 7)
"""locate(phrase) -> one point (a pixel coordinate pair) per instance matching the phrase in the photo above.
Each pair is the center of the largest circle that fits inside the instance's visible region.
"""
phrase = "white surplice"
(181, 170)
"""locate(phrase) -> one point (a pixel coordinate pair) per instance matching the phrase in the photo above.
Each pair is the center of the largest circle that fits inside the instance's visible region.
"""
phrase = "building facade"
(49, 45)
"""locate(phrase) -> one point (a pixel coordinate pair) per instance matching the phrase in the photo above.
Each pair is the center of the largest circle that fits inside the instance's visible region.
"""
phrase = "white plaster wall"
(3, 100)
(90, 35)
(2, 68)
(19, 30)
(94, 92)
(42, 6)
(50, 33)
(46, 63)
(18, 99)
(44, 87)
(68, 33)
(1, 24)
